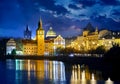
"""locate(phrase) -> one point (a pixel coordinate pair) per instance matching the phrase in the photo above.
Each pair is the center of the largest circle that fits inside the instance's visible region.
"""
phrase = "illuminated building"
(29, 47)
(49, 42)
(14, 44)
(53, 42)
(11, 44)
(35, 47)
(87, 41)
(49, 50)
(92, 38)
(42, 45)
(50, 33)
(40, 39)
(59, 42)
(108, 38)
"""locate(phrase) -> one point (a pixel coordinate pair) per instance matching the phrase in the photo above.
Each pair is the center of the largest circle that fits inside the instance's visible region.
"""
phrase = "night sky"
(67, 17)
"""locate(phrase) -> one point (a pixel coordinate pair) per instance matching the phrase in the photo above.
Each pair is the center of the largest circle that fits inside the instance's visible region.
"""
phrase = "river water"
(48, 72)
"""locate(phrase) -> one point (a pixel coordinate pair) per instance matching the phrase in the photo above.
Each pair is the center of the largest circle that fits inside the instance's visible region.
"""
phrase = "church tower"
(27, 33)
(40, 39)
(96, 31)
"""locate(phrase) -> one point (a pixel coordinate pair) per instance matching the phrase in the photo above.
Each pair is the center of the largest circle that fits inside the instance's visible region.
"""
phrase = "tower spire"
(27, 29)
(96, 29)
(40, 39)
(27, 33)
(40, 24)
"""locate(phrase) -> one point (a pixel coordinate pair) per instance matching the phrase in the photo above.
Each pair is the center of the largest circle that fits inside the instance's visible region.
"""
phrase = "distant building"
(11, 44)
(35, 47)
(42, 45)
(49, 42)
(29, 47)
(59, 42)
(27, 33)
(52, 42)
(87, 41)
(108, 38)
(50, 33)
(92, 38)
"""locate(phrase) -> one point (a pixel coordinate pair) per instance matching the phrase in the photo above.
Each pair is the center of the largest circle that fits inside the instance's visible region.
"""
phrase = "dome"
(103, 33)
(51, 33)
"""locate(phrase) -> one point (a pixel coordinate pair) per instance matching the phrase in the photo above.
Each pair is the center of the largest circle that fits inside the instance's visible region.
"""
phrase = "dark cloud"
(60, 10)
(110, 2)
(107, 23)
(87, 2)
(116, 12)
(82, 15)
(16, 14)
(50, 5)
(94, 14)
(73, 6)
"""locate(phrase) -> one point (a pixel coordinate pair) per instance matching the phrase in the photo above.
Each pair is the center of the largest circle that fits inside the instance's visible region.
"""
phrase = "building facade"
(10, 45)
(92, 38)
(47, 44)
(42, 45)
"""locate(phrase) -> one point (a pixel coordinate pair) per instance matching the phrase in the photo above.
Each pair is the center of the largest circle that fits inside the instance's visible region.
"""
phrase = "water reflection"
(37, 70)
(108, 81)
(52, 72)
(82, 75)
(93, 81)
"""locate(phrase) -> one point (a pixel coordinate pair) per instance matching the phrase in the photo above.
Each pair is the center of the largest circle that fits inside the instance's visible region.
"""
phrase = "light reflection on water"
(50, 72)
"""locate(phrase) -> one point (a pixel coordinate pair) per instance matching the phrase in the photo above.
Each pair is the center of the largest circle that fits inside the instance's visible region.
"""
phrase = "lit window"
(93, 42)
(110, 42)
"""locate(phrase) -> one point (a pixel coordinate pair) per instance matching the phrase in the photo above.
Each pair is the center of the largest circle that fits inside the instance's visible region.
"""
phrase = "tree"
(13, 52)
(98, 50)
(113, 54)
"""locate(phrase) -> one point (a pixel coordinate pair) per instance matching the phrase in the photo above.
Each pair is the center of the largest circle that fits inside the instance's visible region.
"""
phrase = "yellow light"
(93, 42)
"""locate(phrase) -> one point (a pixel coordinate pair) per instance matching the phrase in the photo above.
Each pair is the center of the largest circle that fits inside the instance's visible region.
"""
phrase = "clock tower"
(40, 39)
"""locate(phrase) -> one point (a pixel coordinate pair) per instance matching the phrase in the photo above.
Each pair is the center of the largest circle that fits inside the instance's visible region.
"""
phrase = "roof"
(51, 33)
(11, 42)
(29, 41)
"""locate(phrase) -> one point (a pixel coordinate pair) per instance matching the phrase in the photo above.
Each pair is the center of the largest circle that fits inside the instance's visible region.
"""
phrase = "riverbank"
(68, 59)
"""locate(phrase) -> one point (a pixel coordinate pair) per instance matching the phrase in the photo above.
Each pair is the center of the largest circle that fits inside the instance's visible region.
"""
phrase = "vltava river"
(48, 72)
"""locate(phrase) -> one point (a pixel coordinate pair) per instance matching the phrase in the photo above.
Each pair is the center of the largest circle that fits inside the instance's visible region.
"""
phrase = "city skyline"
(67, 17)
